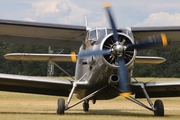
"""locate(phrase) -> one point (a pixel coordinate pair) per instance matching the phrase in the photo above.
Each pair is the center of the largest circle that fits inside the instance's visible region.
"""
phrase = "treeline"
(170, 68)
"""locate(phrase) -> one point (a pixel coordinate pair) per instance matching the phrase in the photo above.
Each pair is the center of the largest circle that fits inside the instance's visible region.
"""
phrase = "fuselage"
(98, 71)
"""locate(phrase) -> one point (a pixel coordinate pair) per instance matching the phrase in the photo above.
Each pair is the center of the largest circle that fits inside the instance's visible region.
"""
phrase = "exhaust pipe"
(113, 79)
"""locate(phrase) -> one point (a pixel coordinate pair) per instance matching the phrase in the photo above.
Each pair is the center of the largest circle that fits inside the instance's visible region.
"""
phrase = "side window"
(92, 35)
(95, 34)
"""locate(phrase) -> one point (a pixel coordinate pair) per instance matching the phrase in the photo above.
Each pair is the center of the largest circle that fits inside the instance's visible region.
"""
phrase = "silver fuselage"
(95, 71)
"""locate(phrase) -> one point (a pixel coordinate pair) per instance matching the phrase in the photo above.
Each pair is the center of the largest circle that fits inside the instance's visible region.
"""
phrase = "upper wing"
(157, 89)
(34, 33)
(172, 32)
(37, 85)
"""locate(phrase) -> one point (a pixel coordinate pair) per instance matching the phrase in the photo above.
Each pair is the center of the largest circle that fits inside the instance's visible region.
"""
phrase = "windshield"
(96, 34)
(101, 33)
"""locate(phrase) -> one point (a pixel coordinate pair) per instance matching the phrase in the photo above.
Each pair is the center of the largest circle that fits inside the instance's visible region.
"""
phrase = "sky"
(127, 13)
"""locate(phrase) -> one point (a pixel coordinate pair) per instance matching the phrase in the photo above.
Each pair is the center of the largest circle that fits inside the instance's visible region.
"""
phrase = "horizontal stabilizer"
(149, 60)
(39, 57)
(68, 58)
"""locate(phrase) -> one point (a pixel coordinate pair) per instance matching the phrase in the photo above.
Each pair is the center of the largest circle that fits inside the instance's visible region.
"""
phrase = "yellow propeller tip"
(107, 4)
(126, 94)
(73, 56)
(164, 39)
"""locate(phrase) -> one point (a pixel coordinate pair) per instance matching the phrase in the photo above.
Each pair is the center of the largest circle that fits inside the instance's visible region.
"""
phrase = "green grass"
(17, 106)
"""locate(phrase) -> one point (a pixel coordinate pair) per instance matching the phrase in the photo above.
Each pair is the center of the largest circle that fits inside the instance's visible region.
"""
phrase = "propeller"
(150, 42)
(113, 26)
(118, 49)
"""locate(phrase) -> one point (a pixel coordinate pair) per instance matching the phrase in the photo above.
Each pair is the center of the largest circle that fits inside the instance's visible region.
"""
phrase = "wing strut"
(87, 97)
(72, 91)
(61, 69)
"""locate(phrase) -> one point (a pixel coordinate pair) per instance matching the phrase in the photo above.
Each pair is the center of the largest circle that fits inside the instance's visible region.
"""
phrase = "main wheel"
(86, 107)
(60, 106)
(159, 108)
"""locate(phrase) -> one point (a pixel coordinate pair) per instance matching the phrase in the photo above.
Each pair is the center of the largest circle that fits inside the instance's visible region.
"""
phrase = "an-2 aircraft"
(104, 64)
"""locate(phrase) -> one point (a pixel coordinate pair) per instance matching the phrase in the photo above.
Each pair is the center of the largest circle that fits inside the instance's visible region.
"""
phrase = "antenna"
(85, 21)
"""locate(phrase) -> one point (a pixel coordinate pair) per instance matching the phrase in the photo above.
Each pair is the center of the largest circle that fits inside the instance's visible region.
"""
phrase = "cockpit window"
(96, 34)
(92, 35)
(101, 33)
(109, 31)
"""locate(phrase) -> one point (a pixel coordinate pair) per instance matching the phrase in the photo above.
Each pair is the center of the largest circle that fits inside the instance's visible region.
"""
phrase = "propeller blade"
(150, 42)
(124, 83)
(99, 52)
(111, 20)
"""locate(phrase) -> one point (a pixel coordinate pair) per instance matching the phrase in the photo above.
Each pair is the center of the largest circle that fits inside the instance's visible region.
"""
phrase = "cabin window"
(92, 35)
(96, 34)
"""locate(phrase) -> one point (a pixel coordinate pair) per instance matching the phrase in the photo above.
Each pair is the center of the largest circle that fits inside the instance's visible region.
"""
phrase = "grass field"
(17, 106)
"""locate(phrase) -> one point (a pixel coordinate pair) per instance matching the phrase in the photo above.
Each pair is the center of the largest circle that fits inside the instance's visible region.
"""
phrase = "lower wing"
(157, 89)
(37, 85)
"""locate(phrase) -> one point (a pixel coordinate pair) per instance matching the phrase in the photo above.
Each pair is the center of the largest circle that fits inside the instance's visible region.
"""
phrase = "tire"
(159, 108)
(60, 106)
(85, 107)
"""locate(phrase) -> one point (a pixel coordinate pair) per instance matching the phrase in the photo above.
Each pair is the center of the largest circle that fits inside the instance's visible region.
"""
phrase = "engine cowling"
(111, 59)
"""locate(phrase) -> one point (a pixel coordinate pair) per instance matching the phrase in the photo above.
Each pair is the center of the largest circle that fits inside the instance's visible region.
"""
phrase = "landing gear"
(159, 108)
(85, 99)
(86, 106)
(60, 106)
